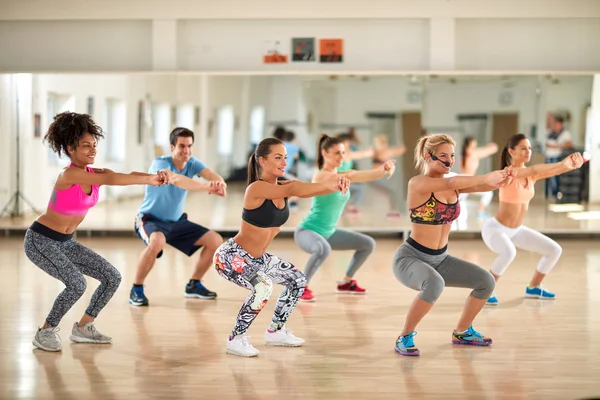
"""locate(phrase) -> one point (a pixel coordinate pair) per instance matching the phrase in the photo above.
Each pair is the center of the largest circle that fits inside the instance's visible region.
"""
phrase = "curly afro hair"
(68, 128)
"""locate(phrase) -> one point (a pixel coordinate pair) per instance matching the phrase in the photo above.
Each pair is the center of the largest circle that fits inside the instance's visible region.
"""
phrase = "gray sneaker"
(88, 334)
(47, 339)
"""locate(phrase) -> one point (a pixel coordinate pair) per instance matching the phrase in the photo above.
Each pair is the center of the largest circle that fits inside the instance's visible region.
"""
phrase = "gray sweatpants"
(68, 261)
(320, 248)
(429, 273)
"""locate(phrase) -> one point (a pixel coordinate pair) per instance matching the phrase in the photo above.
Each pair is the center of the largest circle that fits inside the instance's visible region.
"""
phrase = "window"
(115, 127)
(225, 128)
(162, 128)
(257, 124)
(57, 104)
(185, 116)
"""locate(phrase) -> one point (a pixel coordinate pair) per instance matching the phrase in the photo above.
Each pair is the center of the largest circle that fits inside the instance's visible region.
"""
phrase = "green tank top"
(325, 211)
(346, 166)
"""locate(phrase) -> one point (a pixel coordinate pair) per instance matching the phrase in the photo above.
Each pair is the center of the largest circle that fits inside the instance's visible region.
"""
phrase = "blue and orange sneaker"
(470, 337)
(406, 346)
(539, 293)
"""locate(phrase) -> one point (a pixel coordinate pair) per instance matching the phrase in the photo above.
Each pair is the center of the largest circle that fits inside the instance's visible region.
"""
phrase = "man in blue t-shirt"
(161, 219)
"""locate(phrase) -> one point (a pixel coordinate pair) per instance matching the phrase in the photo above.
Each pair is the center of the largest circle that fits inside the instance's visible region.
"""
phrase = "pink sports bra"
(516, 193)
(73, 201)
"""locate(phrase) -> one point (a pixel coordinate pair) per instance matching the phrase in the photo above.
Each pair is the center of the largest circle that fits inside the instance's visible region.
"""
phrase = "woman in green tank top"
(317, 233)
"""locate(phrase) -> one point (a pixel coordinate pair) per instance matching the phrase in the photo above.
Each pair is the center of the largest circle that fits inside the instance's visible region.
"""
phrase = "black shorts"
(180, 234)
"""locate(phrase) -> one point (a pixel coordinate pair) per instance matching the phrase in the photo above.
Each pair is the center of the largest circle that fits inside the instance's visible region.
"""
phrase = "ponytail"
(262, 150)
(506, 158)
(513, 141)
(325, 142)
(420, 153)
(253, 169)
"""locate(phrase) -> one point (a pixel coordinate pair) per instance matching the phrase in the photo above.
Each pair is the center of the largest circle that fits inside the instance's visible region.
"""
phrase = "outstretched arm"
(264, 190)
(485, 151)
(73, 176)
(210, 175)
(372, 174)
(426, 184)
(542, 171)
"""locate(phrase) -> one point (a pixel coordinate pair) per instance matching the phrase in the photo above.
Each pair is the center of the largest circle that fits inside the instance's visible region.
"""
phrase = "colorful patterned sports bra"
(434, 212)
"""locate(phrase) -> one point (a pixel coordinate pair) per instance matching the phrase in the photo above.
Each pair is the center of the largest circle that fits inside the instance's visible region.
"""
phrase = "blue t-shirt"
(292, 151)
(166, 202)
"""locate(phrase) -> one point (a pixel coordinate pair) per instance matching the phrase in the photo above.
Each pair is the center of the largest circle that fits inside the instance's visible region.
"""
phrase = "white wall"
(526, 44)
(234, 45)
(296, 9)
(31, 46)
(219, 35)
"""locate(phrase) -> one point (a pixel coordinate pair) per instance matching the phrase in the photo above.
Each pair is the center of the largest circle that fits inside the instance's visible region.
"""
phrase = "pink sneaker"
(351, 287)
(307, 295)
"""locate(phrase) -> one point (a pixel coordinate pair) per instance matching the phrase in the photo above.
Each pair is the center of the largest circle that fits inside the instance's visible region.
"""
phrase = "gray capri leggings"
(60, 256)
(428, 271)
(320, 248)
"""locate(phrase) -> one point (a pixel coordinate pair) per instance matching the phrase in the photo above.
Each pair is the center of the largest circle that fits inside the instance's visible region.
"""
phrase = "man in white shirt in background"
(558, 139)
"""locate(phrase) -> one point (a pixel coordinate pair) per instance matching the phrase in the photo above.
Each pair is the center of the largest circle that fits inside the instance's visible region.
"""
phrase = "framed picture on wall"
(274, 53)
(303, 49)
(331, 50)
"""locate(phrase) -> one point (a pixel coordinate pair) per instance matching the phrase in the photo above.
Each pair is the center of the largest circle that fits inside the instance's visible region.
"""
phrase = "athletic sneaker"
(307, 295)
(539, 293)
(350, 287)
(199, 291)
(88, 334)
(47, 339)
(282, 337)
(137, 296)
(240, 346)
(470, 337)
(492, 301)
(405, 345)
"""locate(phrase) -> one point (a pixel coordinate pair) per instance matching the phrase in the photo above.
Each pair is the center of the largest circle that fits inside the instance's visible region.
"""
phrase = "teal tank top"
(346, 166)
(325, 211)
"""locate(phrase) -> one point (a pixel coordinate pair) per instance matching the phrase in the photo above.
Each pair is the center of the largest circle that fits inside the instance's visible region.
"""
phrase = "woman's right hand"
(495, 178)
(337, 182)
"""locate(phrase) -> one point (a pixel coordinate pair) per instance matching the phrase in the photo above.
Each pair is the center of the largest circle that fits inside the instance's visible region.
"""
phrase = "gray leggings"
(68, 261)
(320, 248)
(430, 273)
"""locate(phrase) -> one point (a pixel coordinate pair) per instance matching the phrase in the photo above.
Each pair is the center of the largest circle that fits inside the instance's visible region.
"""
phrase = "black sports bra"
(267, 215)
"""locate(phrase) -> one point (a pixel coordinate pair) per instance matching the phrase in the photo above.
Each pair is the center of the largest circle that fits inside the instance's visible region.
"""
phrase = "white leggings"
(502, 240)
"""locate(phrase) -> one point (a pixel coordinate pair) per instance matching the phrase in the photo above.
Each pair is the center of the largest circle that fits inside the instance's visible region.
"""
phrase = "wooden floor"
(175, 348)
(117, 217)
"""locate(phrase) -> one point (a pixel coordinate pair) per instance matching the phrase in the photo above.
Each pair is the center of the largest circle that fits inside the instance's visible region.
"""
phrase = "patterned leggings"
(68, 261)
(258, 275)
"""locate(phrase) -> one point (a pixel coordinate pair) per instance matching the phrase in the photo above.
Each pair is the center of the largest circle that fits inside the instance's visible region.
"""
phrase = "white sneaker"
(240, 346)
(282, 337)
(88, 334)
(47, 339)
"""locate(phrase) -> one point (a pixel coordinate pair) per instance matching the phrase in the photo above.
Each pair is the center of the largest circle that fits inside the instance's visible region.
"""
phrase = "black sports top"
(267, 215)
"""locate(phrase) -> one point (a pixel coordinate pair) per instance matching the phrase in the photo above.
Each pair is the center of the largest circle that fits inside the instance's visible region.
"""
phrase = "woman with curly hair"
(49, 242)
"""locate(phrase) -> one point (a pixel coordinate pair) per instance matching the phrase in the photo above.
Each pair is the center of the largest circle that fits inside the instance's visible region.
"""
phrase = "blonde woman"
(422, 262)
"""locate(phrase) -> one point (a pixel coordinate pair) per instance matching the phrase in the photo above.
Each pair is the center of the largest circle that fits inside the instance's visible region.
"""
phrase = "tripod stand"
(17, 195)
